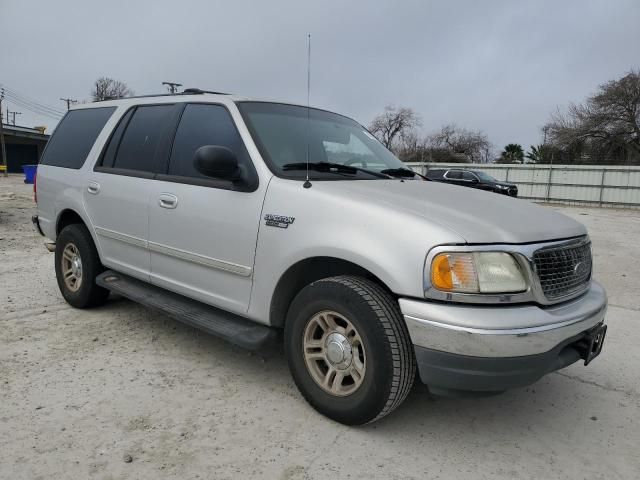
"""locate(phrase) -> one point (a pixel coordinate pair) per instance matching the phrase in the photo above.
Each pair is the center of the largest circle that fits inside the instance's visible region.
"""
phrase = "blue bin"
(29, 173)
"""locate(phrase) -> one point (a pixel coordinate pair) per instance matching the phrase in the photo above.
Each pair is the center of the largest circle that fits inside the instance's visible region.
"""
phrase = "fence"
(612, 186)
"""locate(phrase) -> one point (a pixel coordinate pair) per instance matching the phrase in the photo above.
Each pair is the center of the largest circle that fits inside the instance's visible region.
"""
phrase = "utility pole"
(172, 86)
(13, 120)
(69, 101)
(4, 152)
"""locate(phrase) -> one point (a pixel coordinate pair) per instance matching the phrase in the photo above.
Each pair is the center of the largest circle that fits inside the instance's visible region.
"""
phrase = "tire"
(76, 240)
(381, 367)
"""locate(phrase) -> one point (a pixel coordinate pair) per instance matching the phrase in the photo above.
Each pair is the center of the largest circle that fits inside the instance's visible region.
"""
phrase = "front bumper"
(493, 348)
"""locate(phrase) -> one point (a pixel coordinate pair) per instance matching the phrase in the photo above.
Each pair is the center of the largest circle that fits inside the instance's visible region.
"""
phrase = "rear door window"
(74, 136)
(142, 138)
(200, 125)
(454, 175)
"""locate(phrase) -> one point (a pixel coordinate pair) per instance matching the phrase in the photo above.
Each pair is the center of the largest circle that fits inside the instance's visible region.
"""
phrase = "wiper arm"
(399, 172)
(403, 173)
(331, 167)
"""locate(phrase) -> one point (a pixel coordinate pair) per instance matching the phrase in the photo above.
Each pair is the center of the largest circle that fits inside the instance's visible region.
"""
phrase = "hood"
(475, 215)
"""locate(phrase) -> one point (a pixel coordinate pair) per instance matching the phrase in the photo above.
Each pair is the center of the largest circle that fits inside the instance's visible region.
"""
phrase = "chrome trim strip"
(201, 259)
(488, 331)
(523, 254)
(176, 252)
(131, 240)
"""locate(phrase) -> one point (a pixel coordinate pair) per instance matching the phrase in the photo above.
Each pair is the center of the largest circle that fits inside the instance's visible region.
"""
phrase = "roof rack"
(197, 91)
(186, 91)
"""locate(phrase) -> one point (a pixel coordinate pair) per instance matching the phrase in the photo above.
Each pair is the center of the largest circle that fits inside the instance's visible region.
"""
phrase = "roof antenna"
(307, 183)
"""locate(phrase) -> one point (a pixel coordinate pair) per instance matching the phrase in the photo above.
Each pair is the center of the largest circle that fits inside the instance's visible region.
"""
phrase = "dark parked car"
(473, 179)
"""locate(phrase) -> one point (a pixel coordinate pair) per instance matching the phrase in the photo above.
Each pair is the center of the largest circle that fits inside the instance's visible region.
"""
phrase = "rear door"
(203, 231)
(118, 188)
(471, 180)
(455, 177)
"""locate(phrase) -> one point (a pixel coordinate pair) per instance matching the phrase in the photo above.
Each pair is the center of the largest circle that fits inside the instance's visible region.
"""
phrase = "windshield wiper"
(399, 172)
(403, 173)
(330, 167)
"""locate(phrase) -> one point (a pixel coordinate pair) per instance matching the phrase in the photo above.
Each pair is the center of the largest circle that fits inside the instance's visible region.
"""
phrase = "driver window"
(204, 124)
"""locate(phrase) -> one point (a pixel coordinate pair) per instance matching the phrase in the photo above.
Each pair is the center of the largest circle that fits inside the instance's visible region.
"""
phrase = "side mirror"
(217, 162)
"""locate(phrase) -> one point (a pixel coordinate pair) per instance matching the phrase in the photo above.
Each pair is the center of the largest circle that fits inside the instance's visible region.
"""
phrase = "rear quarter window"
(74, 136)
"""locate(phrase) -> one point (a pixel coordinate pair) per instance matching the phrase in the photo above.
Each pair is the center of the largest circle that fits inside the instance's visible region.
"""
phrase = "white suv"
(246, 217)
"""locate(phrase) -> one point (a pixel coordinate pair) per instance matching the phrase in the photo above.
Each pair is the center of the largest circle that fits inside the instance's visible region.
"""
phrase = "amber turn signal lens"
(441, 273)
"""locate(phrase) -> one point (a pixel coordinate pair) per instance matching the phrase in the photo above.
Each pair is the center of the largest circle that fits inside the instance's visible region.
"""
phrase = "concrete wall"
(616, 186)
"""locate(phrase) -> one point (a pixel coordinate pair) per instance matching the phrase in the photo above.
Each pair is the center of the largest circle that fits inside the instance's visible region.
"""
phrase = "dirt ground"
(121, 392)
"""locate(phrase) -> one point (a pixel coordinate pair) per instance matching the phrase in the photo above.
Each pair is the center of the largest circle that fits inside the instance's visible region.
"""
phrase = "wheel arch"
(69, 216)
(66, 217)
(305, 272)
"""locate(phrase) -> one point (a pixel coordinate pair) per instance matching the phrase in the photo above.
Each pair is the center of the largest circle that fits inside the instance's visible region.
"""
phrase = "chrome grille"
(563, 270)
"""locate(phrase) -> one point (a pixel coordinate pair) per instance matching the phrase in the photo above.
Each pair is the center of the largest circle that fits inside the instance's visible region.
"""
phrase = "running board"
(228, 326)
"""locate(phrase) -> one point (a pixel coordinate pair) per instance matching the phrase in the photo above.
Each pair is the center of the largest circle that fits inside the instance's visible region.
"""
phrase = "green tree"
(512, 153)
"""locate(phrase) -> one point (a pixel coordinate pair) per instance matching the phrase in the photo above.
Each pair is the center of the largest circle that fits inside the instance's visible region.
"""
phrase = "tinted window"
(468, 176)
(110, 153)
(454, 174)
(204, 125)
(74, 137)
(139, 144)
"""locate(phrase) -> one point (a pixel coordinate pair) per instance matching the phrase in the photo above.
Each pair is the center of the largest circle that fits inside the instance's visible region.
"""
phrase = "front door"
(203, 231)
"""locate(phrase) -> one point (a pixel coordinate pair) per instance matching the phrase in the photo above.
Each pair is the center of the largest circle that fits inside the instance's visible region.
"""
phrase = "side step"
(228, 326)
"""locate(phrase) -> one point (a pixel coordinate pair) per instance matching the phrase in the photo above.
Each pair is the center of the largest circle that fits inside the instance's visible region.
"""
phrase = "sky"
(497, 66)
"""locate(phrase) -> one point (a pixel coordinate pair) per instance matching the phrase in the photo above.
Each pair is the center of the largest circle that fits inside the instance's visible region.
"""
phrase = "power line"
(30, 101)
(32, 106)
(34, 109)
(172, 86)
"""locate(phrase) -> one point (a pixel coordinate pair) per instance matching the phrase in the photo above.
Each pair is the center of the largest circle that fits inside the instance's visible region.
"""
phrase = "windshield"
(281, 132)
(485, 176)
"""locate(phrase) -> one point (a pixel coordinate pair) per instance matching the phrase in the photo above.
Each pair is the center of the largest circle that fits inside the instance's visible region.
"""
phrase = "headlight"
(477, 272)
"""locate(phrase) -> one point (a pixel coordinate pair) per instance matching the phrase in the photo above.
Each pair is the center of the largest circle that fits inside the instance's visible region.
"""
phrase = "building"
(24, 146)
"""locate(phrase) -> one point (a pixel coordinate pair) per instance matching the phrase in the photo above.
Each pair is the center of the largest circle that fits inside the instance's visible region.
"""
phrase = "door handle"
(93, 188)
(167, 200)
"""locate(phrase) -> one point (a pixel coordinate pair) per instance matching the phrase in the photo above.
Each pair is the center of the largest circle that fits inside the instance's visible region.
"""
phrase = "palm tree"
(512, 153)
(535, 154)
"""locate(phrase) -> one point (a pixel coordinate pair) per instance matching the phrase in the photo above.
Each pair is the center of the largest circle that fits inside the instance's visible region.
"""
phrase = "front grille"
(563, 270)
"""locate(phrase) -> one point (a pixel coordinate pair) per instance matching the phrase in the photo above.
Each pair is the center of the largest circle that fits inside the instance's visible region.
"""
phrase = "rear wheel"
(77, 265)
(349, 350)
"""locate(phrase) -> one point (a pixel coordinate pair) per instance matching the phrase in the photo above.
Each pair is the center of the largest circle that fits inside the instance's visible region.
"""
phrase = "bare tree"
(395, 124)
(106, 88)
(606, 122)
(472, 146)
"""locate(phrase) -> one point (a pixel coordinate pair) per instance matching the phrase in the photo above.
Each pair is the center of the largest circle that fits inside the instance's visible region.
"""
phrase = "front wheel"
(349, 350)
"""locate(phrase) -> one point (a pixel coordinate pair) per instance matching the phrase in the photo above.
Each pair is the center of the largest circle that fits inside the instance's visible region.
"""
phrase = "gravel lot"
(120, 392)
